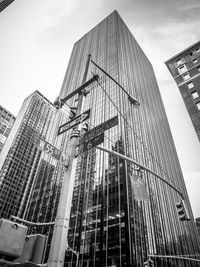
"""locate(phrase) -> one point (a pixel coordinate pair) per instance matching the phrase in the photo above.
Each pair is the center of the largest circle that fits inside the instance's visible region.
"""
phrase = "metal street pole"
(59, 240)
(141, 166)
(181, 257)
(77, 255)
(130, 98)
(28, 223)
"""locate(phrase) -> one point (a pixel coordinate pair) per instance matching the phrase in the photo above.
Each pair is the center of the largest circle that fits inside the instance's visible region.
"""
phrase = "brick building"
(185, 69)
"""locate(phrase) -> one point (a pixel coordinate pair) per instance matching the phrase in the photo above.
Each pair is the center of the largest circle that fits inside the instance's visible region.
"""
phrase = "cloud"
(164, 41)
(192, 7)
(177, 34)
(62, 9)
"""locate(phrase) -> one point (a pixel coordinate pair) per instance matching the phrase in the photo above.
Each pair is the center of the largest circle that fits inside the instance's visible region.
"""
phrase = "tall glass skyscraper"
(109, 226)
(30, 162)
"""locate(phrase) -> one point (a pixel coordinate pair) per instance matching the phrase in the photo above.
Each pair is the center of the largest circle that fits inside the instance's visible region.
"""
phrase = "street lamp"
(132, 100)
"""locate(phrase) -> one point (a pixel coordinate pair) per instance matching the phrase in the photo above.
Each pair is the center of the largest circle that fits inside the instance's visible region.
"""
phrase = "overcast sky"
(36, 40)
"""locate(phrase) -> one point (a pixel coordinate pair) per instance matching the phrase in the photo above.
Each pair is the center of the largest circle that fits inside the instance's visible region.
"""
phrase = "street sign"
(99, 129)
(77, 120)
(49, 149)
(92, 143)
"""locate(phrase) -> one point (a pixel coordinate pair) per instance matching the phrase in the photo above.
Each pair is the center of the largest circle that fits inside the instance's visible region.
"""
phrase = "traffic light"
(182, 211)
(149, 263)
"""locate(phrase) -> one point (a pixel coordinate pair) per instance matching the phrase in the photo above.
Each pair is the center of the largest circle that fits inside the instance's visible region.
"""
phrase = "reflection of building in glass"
(44, 189)
(108, 226)
(4, 4)
(83, 204)
(25, 159)
(6, 122)
(44, 197)
(185, 69)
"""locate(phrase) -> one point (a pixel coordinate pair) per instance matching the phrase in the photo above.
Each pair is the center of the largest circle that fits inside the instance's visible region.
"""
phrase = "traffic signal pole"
(59, 242)
(135, 102)
(181, 257)
(140, 166)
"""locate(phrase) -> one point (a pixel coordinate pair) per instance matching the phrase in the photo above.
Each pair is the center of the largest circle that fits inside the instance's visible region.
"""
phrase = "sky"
(37, 38)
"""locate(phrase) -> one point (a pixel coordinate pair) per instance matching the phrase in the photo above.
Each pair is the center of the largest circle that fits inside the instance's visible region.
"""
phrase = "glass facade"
(6, 122)
(28, 168)
(108, 226)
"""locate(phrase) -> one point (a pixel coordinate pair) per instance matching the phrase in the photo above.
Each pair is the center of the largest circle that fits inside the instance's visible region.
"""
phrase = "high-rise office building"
(185, 69)
(6, 122)
(109, 226)
(31, 162)
(4, 4)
